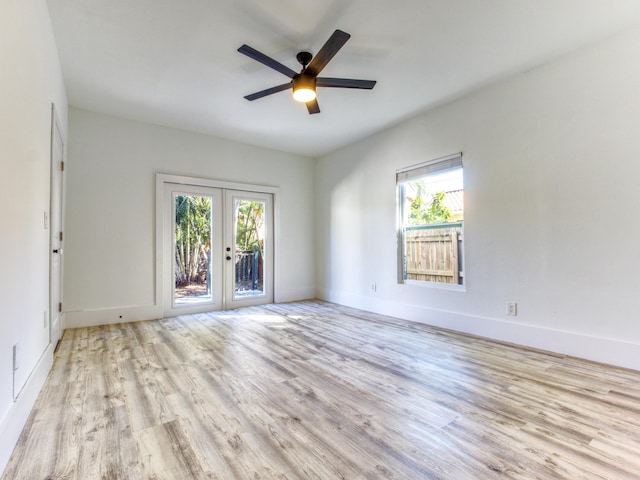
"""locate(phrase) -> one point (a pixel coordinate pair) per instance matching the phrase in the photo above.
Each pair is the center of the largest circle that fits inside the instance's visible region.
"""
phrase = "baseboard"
(108, 316)
(598, 349)
(136, 313)
(16, 418)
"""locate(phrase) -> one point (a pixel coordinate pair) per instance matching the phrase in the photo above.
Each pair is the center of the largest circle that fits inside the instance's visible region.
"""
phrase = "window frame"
(412, 173)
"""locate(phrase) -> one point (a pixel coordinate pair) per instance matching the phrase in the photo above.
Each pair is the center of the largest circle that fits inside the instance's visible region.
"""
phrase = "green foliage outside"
(421, 213)
(193, 238)
(193, 235)
(249, 226)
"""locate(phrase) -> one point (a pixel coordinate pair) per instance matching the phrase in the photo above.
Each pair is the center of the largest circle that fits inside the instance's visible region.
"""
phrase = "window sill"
(436, 285)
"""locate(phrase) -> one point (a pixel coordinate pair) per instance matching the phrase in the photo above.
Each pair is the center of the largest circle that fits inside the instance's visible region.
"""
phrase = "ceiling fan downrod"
(303, 59)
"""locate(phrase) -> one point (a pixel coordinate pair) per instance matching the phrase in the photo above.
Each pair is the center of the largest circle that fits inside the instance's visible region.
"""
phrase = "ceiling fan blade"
(268, 91)
(345, 83)
(326, 53)
(265, 60)
(313, 106)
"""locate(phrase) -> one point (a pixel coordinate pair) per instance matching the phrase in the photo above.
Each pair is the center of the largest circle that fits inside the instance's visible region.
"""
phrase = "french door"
(218, 248)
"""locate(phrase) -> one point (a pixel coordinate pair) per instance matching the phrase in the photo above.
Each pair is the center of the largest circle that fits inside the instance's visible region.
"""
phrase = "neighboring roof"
(454, 201)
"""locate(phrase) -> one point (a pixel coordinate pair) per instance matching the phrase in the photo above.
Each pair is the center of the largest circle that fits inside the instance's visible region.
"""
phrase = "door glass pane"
(249, 230)
(192, 251)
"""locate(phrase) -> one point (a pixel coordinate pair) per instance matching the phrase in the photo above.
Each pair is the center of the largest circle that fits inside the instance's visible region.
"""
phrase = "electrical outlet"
(374, 287)
(512, 309)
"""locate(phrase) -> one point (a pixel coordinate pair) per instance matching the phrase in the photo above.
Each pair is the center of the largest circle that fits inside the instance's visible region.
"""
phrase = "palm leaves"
(193, 239)
(193, 235)
(249, 226)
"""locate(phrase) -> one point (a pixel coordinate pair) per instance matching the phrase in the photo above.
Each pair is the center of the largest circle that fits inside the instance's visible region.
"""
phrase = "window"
(430, 222)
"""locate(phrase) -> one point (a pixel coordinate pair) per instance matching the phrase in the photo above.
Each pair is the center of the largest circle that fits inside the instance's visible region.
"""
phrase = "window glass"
(431, 216)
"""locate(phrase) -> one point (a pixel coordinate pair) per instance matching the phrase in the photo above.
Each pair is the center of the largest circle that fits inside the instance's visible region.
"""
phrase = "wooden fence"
(433, 253)
(248, 270)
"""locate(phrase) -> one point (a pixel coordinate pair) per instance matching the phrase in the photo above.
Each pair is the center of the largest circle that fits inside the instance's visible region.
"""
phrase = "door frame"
(161, 180)
(55, 221)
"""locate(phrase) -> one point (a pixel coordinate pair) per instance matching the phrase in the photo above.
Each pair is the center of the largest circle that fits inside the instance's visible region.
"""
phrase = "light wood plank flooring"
(311, 390)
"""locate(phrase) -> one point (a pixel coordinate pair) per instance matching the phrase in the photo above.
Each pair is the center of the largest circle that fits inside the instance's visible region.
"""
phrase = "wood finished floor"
(311, 390)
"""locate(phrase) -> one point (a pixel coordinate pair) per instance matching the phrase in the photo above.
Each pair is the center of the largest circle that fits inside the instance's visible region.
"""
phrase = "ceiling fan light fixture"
(304, 95)
(304, 88)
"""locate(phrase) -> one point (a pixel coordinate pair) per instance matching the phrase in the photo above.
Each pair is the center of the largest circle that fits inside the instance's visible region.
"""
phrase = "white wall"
(109, 265)
(552, 169)
(30, 82)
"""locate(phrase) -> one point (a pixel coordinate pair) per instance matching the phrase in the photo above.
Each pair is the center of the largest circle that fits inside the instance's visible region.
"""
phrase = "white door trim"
(162, 179)
(55, 224)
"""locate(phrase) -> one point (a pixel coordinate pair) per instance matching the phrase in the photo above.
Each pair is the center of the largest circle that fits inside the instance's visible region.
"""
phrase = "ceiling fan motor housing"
(304, 88)
(303, 80)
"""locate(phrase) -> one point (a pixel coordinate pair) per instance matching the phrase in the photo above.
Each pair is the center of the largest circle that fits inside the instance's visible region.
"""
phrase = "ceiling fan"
(304, 83)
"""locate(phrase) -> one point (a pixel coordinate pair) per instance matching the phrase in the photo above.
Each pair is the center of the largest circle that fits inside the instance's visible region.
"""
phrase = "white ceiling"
(174, 62)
